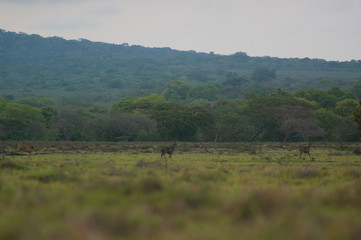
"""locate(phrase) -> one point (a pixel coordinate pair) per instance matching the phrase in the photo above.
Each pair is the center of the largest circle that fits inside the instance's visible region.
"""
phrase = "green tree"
(22, 122)
(264, 119)
(120, 126)
(68, 125)
(328, 121)
(176, 90)
(208, 92)
(263, 74)
(296, 122)
(234, 86)
(323, 98)
(123, 104)
(175, 122)
(345, 108)
(230, 121)
(3, 103)
(38, 102)
(356, 88)
(357, 115)
(48, 114)
(347, 131)
(147, 104)
(339, 94)
(204, 120)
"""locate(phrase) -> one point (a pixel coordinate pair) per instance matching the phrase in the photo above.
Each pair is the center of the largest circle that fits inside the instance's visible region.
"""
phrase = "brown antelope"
(305, 149)
(167, 150)
(26, 148)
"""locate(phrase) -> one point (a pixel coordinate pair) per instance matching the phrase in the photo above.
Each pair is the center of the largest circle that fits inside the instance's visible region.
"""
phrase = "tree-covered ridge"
(35, 66)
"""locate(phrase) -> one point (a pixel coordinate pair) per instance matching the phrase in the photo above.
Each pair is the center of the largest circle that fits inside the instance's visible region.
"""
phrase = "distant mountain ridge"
(32, 65)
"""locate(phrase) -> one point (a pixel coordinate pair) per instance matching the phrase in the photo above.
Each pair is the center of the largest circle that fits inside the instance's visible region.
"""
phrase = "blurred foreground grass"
(261, 193)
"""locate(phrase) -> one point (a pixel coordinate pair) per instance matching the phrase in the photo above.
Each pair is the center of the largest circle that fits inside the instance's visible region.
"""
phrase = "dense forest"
(57, 89)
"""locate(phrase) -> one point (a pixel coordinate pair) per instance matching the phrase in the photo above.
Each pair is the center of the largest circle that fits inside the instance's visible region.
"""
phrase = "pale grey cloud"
(67, 25)
(40, 1)
(285, 28)
(69, 19)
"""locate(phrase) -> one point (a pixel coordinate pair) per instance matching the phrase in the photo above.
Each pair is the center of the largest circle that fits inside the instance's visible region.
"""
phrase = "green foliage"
(323, 98)
(22, 122)
(48, 114)
(269, 117)
(123, 104)
(339, 94)
(345, 108)
(207, 92)
(175, 121)
(203, 119)
(176, 90)
(68, 125)
(356, 88)
(119, 126)
(357, 116)
(167, 94)
(38, 102)
(3, 103)
(263, 74)
(98, 72)
(235, 86)
(230, 121)
(328, 121)
(146, 104)
(275, 116)
(296, 122)
(326, 99)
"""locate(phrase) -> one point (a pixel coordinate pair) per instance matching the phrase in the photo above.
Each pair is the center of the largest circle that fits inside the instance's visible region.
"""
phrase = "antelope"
(27, 148)
(305, 149)
(167, 150)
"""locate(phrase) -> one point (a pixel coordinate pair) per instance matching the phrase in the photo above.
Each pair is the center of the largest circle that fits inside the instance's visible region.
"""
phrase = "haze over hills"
(32, 65)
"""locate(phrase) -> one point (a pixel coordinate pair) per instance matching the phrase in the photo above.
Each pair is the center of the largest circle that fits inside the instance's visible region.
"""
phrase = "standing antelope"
(26, 148)
(167, 150)
(305, 149)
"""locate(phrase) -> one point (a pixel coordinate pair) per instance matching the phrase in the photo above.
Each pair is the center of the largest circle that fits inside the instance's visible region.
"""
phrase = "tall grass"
(266, 193)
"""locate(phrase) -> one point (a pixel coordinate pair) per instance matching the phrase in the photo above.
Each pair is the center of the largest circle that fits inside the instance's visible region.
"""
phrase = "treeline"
(276, 115)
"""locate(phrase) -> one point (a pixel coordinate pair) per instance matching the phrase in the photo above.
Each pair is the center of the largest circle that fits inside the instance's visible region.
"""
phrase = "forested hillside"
(78, 90)
(82, 70)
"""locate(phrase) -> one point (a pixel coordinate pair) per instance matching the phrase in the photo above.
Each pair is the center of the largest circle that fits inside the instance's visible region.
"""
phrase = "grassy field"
(206, 191)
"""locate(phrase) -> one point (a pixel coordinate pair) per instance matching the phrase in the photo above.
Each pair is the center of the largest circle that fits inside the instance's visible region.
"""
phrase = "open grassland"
(206, 191)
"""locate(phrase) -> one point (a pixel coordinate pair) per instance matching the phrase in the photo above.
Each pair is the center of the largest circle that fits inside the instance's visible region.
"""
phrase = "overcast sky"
(326, 29)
